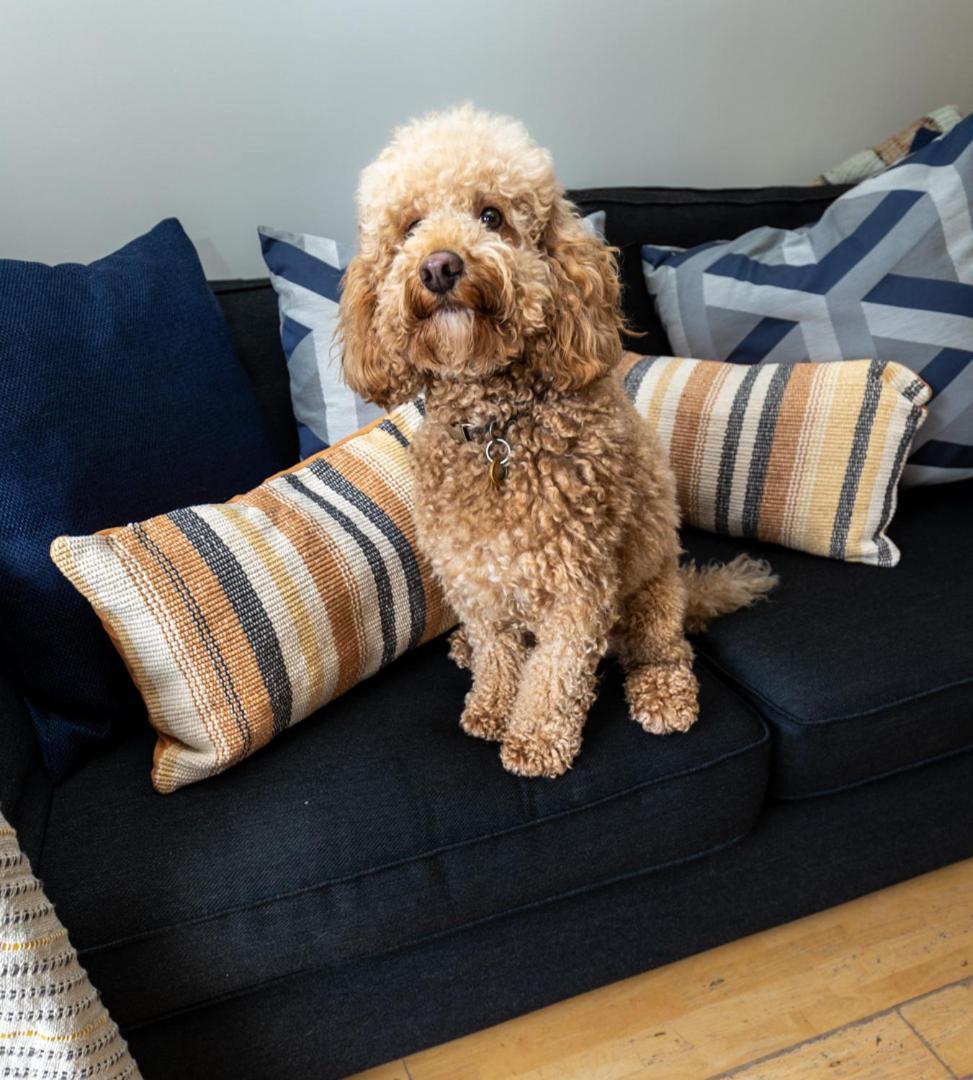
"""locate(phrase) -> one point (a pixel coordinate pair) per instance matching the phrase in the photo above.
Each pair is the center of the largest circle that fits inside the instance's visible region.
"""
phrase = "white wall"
(234, 113)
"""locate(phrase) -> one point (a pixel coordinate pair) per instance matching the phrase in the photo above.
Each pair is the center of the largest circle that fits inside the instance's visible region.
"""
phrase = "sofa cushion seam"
(459, 929)
(432, 853)
(827, 792)
(785, 714)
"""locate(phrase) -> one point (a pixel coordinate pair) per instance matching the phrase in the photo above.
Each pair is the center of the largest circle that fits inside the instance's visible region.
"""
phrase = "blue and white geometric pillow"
(887, 273)
(306, 273)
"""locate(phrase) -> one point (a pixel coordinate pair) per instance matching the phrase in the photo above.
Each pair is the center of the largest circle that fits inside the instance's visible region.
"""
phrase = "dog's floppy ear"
(581, 341)
(375, 371)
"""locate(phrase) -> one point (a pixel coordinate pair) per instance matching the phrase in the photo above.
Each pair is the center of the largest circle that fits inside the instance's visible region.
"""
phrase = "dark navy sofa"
(372, 882)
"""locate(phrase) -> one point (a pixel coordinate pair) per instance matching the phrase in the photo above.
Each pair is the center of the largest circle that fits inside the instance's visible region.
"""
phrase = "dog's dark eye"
(413, 226)
(491, 217)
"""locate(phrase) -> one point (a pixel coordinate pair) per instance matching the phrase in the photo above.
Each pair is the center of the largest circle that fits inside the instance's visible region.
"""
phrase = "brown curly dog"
(543, 501)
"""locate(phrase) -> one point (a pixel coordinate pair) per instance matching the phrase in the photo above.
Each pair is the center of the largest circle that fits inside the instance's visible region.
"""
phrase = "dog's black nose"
(440, 271)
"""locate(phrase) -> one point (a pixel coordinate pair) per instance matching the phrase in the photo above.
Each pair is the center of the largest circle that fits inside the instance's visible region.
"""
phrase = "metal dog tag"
(497, 452)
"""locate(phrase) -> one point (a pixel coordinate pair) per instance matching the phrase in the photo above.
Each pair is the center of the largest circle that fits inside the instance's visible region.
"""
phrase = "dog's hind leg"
(659, 683)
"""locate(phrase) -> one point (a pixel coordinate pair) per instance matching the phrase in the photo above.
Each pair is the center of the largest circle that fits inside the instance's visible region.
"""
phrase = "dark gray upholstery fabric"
(370, 825)
(250, 310)
(802, 857)
(25, 789)
(859, 670)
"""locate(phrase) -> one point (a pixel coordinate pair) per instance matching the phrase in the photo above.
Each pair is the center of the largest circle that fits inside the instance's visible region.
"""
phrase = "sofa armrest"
(25, 789)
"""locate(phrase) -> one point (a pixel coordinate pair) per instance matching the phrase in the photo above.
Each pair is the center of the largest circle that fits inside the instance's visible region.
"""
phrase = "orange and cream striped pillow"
(238, 620)
(804, 455)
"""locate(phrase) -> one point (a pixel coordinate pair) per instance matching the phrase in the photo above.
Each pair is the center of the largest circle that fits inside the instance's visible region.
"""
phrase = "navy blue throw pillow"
(120, 398)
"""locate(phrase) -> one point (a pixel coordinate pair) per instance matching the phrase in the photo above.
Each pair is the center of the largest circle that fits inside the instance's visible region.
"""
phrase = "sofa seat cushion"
(860, 671)
(370, 826)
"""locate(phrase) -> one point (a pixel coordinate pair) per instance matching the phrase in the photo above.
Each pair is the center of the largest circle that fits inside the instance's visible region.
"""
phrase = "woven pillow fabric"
(804, 455)
(52, 1021)
(306, 273)
(871, 162)
(238, 620)
(886, 273)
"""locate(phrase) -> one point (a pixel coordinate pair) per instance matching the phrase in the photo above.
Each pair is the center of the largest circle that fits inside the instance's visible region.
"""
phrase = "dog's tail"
(719, 588)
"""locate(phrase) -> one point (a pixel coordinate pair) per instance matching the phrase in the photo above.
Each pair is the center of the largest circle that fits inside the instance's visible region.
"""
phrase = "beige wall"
(234, 113)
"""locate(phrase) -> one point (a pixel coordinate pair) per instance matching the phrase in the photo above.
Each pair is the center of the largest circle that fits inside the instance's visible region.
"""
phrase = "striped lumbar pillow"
(804, 455)
(238, 620)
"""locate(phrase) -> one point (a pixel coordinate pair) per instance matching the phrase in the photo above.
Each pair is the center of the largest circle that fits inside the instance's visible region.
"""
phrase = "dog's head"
(470, 257)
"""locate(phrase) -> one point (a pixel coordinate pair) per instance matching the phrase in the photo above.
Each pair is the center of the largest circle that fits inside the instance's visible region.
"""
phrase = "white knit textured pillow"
(52, 1021)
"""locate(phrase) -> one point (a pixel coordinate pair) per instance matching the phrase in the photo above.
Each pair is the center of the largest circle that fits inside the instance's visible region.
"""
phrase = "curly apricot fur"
(577, 552)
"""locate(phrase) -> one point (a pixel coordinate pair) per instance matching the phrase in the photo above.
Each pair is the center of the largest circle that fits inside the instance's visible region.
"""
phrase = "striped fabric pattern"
(238, 620)
(52, 1021)
(887, 273)
(871, 162)
(804, 455)
(306, 273)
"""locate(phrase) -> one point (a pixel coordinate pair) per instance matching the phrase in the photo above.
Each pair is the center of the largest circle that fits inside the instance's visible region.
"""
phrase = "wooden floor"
(880, 988)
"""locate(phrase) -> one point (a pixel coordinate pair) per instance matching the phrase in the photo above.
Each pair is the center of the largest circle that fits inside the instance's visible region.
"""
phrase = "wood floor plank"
(741, 1002)
(885, 1048)
(945, 1021)
(395, 1070)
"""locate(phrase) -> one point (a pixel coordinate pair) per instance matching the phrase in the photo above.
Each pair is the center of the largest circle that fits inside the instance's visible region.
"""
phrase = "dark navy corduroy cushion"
(373, 824)
(860, 671)
(121, 398)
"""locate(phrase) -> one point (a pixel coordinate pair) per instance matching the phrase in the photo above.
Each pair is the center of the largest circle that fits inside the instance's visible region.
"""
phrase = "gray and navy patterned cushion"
(887, 274)
(306, 272)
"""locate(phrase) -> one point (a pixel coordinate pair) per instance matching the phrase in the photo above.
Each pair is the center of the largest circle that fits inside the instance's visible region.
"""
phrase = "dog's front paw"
(482, 723)
(539, 753)
(663, 697)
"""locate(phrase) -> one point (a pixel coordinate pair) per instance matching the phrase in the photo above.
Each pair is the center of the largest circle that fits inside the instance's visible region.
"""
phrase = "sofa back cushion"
(684, 217)
(249, 307)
